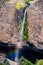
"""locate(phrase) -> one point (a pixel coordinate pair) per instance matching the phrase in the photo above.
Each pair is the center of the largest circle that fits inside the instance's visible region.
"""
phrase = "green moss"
(20, 24)
(8, 0)
(27, 1)
(25, 32)
(19, 6)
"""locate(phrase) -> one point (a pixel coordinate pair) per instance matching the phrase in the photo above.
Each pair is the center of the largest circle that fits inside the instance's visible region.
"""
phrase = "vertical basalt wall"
(8, 26)
(35, 24)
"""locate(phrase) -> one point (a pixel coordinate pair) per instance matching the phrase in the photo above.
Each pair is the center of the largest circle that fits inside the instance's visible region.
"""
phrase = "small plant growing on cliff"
(18, 6)
(8, 0)
(25, 32)
(27, 0)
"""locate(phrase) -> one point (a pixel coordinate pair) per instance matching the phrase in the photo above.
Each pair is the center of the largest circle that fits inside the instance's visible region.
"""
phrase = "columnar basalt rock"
(35, 24)
(8, 26)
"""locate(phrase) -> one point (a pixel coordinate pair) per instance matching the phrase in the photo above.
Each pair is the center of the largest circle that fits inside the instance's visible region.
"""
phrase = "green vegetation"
(8, 0)
(5, 62)
(27, 1)
(25, 32)
(19, 6)
(20, 24)
(24, 61)
(40, 62)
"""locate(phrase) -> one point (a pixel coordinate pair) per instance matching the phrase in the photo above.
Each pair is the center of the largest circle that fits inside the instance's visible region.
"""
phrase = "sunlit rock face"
(8, 25)
(35, 24)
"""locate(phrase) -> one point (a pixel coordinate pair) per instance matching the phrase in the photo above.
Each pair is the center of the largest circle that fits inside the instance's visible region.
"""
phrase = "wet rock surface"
(35, 24)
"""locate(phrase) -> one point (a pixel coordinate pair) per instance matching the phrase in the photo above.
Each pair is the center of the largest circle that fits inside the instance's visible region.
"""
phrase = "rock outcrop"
(8, 26)
(2, 58)
(35, 24)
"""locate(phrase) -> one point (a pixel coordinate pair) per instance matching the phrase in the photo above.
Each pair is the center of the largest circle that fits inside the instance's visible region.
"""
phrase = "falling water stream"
(20, 38)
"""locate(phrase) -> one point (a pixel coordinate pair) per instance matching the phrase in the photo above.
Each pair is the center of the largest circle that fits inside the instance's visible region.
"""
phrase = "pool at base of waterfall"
(29, 53)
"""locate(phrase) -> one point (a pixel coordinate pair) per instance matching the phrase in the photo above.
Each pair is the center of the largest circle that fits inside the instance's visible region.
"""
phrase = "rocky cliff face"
(8, 26)
(35, 24)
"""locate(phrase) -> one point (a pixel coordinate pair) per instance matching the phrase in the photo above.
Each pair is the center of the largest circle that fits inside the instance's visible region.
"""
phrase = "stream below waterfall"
(29, 52)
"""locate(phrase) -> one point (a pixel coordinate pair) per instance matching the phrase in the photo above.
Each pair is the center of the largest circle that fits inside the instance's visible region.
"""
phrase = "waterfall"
(20, 38)
(21, 32)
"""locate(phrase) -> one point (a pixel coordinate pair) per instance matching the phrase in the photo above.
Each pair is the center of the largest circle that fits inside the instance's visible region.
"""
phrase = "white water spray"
(20, 44)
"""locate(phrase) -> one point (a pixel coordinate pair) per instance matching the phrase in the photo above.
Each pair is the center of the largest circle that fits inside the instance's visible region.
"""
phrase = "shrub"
(8, 0)
(5, 62)
(27, 0)
(23, 61)
(25, 32)
(19, 6)
(40, 62)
